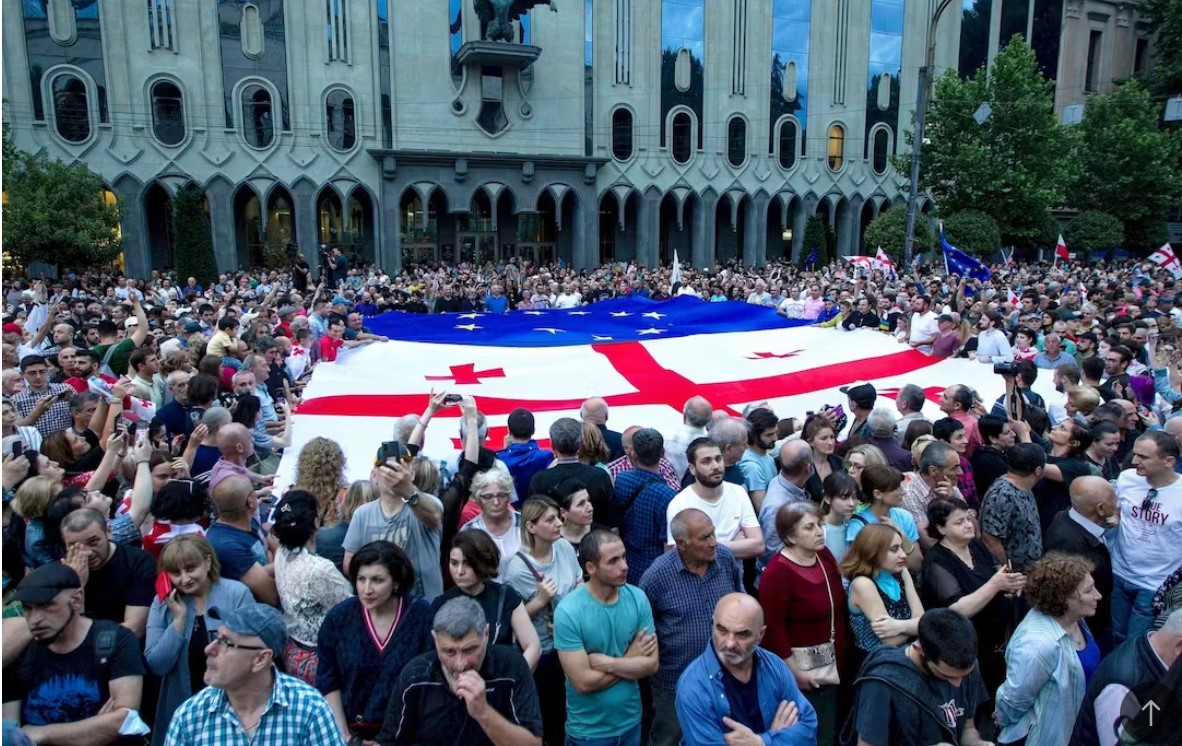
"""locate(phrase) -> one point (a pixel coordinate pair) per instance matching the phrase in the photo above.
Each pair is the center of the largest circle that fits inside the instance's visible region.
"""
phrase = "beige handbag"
(821, 660)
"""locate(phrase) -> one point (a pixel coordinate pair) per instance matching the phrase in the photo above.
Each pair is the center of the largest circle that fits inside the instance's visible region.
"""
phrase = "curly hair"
(1053, 579)
(594, 449)
(320, 469)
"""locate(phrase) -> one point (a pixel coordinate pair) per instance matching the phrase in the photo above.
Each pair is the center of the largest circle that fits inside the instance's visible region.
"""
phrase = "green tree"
(56, 213)
(816, 236)
(973, 232)
(1164, 77)
(1015, 165)
(889, 230)
(194, 239)
(1093, 230)
(1128, 165)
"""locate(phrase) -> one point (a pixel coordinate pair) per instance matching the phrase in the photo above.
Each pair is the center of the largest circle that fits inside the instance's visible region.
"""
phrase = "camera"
(392, 449)
(1005, 369)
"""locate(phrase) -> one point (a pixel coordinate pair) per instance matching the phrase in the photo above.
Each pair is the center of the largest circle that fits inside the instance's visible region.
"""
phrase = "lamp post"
(921, 114)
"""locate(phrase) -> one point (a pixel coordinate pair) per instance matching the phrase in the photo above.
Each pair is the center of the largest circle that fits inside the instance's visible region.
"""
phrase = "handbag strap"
(832, 608)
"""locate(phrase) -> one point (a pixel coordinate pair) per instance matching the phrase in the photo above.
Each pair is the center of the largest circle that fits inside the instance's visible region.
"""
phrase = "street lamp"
(921, 113)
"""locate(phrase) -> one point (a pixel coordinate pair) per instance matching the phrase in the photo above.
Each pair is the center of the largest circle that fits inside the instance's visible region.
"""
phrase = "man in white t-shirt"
(924, 327)
(735, 524)
(1145, 550)
(568, 298)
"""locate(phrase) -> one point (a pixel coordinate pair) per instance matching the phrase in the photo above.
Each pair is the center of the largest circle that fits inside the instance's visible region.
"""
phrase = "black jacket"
(859, 320)
(1131, 664)
(1066, 535)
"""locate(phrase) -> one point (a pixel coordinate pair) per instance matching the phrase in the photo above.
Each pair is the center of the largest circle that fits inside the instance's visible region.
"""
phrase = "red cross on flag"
(644, 358)
(1167, 259)
(883, 262)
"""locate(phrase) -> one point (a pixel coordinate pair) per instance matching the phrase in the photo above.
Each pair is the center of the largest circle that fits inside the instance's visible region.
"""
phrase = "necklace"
(792, 555)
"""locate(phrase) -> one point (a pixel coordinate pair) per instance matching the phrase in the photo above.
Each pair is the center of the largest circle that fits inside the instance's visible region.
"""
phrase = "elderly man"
(730, 435)
(882, 425)
(176, 414)
(957, 402)
(796, 466)
(78, 678)
(939, 468)
(627, 462)
(465, 690)
(682, 586)
(594, 411)
(236, 445)
(695, 418)
(739, 693)
(354, 330)
(1080, 530)
(246, 699)
(1054, 355)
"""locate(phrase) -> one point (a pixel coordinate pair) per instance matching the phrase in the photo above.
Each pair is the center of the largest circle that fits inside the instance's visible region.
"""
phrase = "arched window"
(71, 108)
(736, 141)
(258, 121)
(787, 136)
(683, 133)
(836, 147)
(340, 120)
(168, 113)
(881, 150)
(622, 134)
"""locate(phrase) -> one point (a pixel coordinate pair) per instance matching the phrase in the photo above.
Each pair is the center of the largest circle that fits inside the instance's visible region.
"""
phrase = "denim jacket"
(1044, 684)
(702, 703)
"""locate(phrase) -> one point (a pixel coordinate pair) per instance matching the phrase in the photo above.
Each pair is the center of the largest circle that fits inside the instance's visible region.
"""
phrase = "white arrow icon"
(1152, 707)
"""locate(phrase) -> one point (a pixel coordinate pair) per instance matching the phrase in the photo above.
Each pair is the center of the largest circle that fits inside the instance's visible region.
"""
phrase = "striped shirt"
(295, 714)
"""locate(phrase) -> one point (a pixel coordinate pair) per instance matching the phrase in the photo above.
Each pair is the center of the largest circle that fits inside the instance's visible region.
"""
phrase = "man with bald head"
(237, 537)
(796, 466)
(738, 693)
(1081, 530)
(695, 418)
(682, 587)
(628, 461)
(236, 445)
(594, 410)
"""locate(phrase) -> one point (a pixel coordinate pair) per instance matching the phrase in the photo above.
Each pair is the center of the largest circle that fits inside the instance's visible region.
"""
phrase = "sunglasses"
(1150, 496)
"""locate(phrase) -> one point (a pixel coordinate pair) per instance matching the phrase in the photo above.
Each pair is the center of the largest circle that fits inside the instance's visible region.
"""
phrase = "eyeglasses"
(224, 644)
(496, 496)
(1150, 496)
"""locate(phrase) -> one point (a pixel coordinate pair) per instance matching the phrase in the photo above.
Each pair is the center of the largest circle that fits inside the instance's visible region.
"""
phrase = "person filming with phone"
(44, 405)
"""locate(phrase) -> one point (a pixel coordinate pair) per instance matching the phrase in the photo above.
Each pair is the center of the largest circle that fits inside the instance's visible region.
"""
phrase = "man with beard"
(606, 643)
(464, 691)
(737, 692)
(992, 345)
(119, 579)
(727, 504)
(78, 677)
(759, 468)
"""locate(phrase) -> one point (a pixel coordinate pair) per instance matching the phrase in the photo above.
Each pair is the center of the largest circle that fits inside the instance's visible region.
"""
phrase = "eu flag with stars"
(961, 263)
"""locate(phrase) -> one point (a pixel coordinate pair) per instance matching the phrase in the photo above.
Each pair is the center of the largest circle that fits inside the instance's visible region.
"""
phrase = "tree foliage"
(1164, 77)
(889, 230)
(55, 212)
(194, 239)
(1094, 230)
(816, 236)
(1128, 165)
(1015, 165)
(974, 232)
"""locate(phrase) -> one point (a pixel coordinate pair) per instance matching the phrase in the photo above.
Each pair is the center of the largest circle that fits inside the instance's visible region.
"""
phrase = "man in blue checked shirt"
(247, 702)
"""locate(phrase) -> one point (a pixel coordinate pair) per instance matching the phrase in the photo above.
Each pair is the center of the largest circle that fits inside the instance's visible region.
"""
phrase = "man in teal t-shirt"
(606, 642)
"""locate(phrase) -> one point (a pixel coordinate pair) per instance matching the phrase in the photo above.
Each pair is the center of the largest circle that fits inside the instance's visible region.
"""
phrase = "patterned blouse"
(896, 608)
(308, 585)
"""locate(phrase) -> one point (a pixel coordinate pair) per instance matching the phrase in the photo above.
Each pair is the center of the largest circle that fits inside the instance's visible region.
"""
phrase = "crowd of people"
(1007, 572)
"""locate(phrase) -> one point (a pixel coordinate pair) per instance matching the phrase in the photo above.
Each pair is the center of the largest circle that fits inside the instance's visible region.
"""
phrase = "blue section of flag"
(812, 257)
(620, 320)
(961, 263)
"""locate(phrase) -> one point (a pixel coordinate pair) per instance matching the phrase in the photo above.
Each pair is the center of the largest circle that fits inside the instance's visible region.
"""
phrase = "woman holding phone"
(179, 629)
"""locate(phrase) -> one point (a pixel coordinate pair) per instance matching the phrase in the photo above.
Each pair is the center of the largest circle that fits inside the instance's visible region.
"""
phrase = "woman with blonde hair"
(179, 629)
(330, 539)
(492, 490)
(32, 500)
(320, 469)
(594, 451)
(860, 456)
(1081, 402)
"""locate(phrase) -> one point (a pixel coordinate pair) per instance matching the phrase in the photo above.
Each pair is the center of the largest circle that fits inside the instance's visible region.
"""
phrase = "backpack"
(849, 734)
(105, 365)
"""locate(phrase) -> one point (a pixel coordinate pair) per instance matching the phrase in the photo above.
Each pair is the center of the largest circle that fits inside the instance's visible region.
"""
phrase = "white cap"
(130, 322)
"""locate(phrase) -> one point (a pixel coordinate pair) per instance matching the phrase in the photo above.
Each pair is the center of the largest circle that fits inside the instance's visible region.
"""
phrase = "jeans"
(666, 728)
(1132, 610)
(631, 738)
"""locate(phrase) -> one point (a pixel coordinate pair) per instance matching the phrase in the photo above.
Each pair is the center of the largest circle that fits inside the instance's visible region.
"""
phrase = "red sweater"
(796, 605)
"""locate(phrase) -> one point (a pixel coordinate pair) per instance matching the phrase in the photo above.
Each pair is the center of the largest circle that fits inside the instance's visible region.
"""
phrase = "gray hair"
(215, 417)
(460, 617)
(481, 427)
(566, 436)
(934, 456)
(404, 426)
(495, 476)
(881, 422)
(728, 431)
(252, 360)
(697, 412)
(912, 396)
(678, 528)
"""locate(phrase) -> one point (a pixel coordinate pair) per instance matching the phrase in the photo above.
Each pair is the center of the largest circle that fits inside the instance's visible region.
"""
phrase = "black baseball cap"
(862, 394)
(43, 584)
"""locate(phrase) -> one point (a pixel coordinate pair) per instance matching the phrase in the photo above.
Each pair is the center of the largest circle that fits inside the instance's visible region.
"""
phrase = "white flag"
(1167, 259)
(676, 277)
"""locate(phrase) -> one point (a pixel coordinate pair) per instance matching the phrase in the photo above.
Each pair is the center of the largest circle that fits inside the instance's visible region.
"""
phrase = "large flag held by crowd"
(645, 358)
(1167, 259)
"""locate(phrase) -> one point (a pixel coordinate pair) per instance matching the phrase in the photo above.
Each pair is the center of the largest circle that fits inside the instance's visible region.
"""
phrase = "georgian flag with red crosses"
(643, 357)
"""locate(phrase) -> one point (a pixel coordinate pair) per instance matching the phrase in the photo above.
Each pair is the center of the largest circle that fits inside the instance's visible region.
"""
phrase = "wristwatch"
(413, 500)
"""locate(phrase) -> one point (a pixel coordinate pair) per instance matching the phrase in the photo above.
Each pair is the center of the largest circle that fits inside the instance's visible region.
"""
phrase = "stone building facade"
(605, 130)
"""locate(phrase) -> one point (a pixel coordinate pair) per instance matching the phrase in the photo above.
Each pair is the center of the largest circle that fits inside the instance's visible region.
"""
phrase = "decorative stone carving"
(788, 82)
(251, 31)
(884, 92)
(682, 76)
(497, 17)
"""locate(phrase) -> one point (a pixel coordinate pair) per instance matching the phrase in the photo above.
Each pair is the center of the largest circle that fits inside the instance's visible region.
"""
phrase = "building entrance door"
(478, 247)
